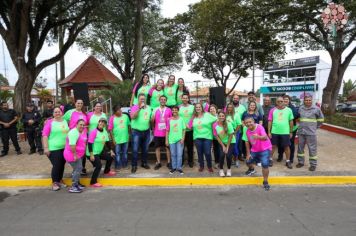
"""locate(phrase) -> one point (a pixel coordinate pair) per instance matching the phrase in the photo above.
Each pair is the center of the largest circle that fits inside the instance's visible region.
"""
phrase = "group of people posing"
(238, 132)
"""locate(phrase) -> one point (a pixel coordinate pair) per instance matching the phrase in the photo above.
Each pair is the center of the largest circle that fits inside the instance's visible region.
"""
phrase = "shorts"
(280, 140)
(159, 142)
(257, 157)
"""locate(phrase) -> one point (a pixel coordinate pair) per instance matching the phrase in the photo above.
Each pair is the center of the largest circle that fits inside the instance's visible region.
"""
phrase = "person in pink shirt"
(159, 121)
(258, 149)
(74, 151)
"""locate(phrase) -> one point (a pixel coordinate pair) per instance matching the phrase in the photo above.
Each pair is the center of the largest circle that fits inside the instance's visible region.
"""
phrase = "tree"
(138, 39)
(3, 81)
(40, 83)
(112, 38)
(300, 21)
(348, 88)
(26, 25)
(120, 93)
(218, 32)
(6, 95)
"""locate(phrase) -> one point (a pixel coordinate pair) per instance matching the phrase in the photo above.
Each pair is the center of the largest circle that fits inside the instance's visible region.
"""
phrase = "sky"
(169, 8)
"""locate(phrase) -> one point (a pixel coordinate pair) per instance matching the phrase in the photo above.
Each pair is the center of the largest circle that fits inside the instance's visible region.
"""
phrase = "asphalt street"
(180, 211)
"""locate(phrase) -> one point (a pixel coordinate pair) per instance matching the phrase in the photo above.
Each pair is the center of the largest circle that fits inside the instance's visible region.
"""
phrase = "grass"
(340, 120)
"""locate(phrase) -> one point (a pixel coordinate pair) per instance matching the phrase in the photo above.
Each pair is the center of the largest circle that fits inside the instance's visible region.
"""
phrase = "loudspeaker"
(80, 91)
(217, 96)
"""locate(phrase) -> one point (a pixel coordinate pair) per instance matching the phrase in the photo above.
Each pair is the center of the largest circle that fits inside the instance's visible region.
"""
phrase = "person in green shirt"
(155, 93)
(186, 111)
(119, 128)
(225, 135)
(175, 133)
(94, 117)
(234, 118)
(180, 91)
(280, 128)
(203, 135)
(140, 124)
(142, 87)
(170, 91)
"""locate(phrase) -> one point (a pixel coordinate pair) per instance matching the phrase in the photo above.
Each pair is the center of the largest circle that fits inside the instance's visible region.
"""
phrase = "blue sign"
(289, 88)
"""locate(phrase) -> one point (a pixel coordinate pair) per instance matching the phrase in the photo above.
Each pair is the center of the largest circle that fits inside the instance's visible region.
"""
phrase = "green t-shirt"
(202, 127)
(280, 120)
(219, 131)
(144, 89)
(176, 128)
(179, 97)
(98, 139)
(120, 128)
(142, 121)
(57, 134)
(240, 111)
(94, 120)
(154, 103)
(170, 93)
(186, 113)
(235, 122)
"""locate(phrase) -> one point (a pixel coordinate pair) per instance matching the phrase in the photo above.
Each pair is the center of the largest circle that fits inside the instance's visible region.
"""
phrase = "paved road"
(187, 211)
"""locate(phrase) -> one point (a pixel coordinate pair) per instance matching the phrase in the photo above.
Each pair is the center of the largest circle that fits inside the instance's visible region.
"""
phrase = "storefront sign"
(290, 88)
(307, 61)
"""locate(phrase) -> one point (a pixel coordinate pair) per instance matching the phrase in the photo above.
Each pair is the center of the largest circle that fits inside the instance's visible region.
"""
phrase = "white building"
(296, 78)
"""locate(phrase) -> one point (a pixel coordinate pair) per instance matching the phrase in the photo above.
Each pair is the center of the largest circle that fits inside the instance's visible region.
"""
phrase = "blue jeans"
(204, 149)
(121, 155)
(176, 155)
(262, 157)
(236, 150)
(140, 139)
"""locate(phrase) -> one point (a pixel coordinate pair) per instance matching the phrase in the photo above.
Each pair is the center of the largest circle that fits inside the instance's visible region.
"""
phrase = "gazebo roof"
(91, 71)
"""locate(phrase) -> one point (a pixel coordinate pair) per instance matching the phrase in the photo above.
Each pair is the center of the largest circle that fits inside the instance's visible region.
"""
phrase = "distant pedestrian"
(31, 120)
(8, 123)
(311, 118)
(48, 111)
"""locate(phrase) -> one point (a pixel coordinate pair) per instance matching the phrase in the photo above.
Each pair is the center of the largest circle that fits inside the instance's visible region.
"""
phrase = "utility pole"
(253, 63)
(197, 86)
(56, 83)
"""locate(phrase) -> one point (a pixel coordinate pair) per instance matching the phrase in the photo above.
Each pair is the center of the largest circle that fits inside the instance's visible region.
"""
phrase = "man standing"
(48, 112)
(310, 119)
(140, 124)
(159, 119)
(267, 106)
(280, 128)
(239, 111)
(31, 120)
(8, 122)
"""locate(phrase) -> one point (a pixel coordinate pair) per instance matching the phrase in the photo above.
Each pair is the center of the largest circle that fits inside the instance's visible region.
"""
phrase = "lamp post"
(197, 82)
(253, 50)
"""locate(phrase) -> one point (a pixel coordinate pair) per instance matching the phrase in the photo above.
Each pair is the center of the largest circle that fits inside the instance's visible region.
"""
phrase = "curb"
(193, 182)
(339, 130)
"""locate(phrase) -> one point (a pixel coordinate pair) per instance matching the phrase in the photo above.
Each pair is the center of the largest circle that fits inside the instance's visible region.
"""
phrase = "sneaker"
(201, 169)
(84, 172)
(82, 187)
(266, 186)
(299, 165)
(169, 166)
(280, 158)
(250, 172)
(133, 169)
(55, 187)
(75, 189)
(221, 173)
(270, 163)
(110, 173)
(312, 168)
(62, 184)
(171, 172)
(3, 154)
(96, 185)
(228, 173)
(211, 170)
(157, 166)
(289, 165)
(190, 164)
(181, 172)
(145, 166)
(40, 152)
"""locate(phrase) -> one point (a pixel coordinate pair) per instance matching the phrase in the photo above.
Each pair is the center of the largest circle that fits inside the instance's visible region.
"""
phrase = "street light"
(197, 82)
(253, 63)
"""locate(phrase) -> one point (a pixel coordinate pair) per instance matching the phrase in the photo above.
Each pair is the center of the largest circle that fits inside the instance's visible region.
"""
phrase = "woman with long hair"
(155, 93)
(170, 91)
(225, 136)
(54, 135)
(74, 151)
(182, 89)
(142, 87)
(94, 116)
(235, 120)
(202, 135)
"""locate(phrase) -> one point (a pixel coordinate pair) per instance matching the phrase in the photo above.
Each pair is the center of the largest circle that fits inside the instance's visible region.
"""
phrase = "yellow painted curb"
(213, 181)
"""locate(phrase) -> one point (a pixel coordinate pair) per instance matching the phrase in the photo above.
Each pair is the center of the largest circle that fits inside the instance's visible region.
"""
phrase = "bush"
(341, 120)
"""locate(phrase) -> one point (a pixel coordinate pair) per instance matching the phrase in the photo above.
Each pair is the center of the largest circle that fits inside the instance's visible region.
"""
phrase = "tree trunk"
(331, 91)
(138, 39)
(23, 89)
(61, 62)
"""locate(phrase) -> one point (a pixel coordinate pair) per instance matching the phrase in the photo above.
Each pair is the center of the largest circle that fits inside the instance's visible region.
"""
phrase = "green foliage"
(3, 81)
(341, 120)
(218, 32)
(6, 95)
(348, 88)
(111, 38)
(119, 93)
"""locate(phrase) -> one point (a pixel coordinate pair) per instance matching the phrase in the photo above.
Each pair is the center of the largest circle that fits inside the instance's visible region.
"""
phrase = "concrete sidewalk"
(336, 158)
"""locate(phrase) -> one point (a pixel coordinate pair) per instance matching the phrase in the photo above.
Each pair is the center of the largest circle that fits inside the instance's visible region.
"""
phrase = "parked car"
(350, 107)
(340, 106)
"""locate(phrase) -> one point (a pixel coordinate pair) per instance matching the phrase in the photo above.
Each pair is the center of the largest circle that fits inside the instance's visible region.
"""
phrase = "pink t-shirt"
(80, 142)
(160, 120)
(257, 144)
(75, 117)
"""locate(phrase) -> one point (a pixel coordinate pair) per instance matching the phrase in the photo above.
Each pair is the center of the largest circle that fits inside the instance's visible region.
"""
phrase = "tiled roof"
(90, 71)
(205, 91)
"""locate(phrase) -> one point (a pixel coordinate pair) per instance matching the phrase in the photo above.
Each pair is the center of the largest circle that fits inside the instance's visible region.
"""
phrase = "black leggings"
(228, 156)
(97, 165)
(58, 163)
(216, 151)
(189, 144)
